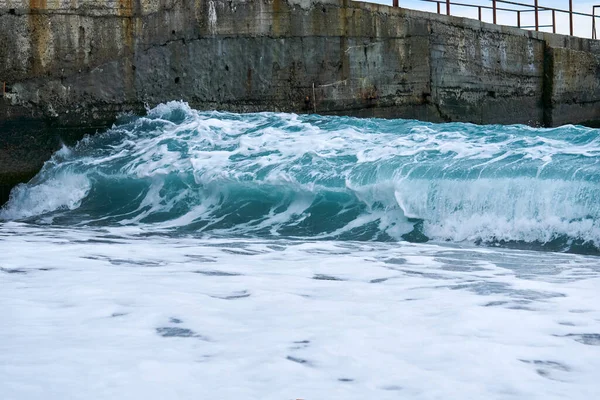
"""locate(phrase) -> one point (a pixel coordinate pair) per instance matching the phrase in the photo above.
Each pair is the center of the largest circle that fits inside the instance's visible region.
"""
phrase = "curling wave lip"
(178, 170)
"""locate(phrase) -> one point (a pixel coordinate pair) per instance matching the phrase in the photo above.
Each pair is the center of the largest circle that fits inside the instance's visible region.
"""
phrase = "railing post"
(518, 19)
(594, 22)
(571, 16)
(439, 5)
(494, 9)
(447, 7)
(537, 17)
(479, 13)
(553, 21)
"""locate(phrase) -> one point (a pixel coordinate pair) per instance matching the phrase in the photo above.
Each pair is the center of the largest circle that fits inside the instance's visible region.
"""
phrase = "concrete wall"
(72, 65)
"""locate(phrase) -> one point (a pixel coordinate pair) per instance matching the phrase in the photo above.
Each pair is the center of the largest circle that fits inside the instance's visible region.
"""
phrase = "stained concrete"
(71, 66)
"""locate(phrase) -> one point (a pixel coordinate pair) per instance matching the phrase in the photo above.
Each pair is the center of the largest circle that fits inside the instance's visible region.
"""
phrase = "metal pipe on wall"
(447, 7)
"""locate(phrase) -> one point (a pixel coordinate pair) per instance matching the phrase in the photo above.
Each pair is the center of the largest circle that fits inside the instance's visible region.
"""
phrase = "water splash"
(268, 174)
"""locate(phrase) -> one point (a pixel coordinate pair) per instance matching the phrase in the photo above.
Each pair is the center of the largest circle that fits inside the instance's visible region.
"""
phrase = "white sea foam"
(94, 303)
(65, 191)
(104, 314)
(520, 209)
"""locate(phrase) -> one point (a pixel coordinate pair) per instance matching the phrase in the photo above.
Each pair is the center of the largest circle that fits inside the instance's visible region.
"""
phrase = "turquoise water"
(208, 255)
(268, 175)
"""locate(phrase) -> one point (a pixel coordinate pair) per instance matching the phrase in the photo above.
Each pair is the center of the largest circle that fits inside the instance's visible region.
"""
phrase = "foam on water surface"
(206, 255)
(106, 313)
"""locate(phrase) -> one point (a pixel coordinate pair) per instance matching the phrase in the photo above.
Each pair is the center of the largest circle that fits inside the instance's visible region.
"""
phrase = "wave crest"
(271, 174)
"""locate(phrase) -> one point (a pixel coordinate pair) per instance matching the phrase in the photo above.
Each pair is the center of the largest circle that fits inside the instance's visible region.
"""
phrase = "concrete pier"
(71, 66)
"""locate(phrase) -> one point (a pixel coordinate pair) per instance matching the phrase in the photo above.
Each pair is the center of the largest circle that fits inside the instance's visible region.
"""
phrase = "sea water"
(208, 255)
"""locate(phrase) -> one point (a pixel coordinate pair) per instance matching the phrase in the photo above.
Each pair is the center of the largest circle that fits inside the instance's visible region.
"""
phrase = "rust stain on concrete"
(276, 27)
(126, 11)
(39, 26)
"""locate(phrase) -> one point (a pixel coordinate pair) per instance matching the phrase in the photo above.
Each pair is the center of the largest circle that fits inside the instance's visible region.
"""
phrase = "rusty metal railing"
(594, 34)
(519, 9)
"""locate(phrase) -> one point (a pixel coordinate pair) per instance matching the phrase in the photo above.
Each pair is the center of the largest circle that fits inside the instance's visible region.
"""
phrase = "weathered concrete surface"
(71, 66)
(573, 86)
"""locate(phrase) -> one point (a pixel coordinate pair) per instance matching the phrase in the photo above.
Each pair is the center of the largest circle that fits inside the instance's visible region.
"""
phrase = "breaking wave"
(183, 171)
